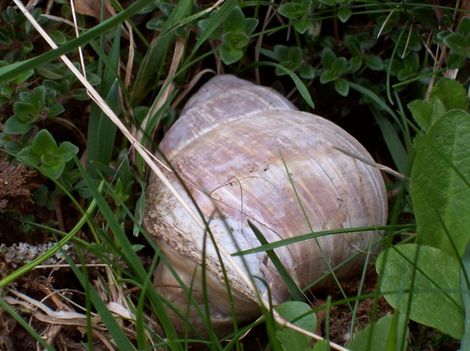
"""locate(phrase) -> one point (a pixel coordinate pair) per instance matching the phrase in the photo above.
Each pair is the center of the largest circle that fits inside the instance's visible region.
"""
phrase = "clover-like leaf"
(230, 55)
(342, 87)
(374, 62)
(235, 40)
(300, 314)
(236, 21)
(293, 10)
(458, 42)
(15, 126)
(46, 155)
(344, 13)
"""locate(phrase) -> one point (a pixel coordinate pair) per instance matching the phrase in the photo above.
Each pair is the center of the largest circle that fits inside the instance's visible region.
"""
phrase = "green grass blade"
(11, 71)
(101, 130)
(290, 283)
(50, 252)
(153, 62)
(215, 21)
(301, 87)
(299, 238)
(12, 312)
(106, 317)
(393, 141)
(130, 256)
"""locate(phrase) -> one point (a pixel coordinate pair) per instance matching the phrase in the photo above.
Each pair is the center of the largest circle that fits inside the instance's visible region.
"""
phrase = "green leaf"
(440, 184)
(451, 93)
(327, 57)
(427, 281)
(458, 43)
(307, 72)
(465, 289)
(388, 331)
(25, 111)
(409, 67)
(300, 314)
(427, 113)
(354, 64)
(322, 345)
(236, 21)
(327, 76)
(342, 87)
(344, 13)
(353, 44)
(67, 150)
(14, 126)
(455, 60)
(293, 10)
(235, 40)
(302, 25)
(251, 24)
(464, 26)
(44, 143)
(340, 65)
(374, 62)
(230, 55)
(289, 57)
(27, 155)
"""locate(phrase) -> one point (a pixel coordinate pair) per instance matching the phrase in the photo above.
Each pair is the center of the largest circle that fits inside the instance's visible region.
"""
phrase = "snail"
(245, 153)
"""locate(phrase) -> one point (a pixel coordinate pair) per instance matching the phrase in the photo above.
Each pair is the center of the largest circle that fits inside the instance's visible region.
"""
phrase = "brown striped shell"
(244, 152)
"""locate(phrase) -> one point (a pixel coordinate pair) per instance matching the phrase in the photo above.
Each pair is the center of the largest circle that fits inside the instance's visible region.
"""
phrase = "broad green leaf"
(440, 184)
(291, 311)
(427, 113)
(427, 281)
(464, 26)
(465, 289)
(387, 333)
(451, 93)
(322, 345)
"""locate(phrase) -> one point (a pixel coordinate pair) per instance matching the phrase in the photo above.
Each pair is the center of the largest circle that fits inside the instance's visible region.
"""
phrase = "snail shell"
(244, 152)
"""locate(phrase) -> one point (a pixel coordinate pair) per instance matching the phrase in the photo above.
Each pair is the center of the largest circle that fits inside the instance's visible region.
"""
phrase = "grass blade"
(11, 311)
(290, 283)
(154, 58)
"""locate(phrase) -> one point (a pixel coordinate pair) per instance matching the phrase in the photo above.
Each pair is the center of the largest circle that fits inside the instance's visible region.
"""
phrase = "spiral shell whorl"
(246, 153)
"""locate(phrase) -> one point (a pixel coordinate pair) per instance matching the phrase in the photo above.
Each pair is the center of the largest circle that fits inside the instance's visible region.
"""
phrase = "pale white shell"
(245, 153)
